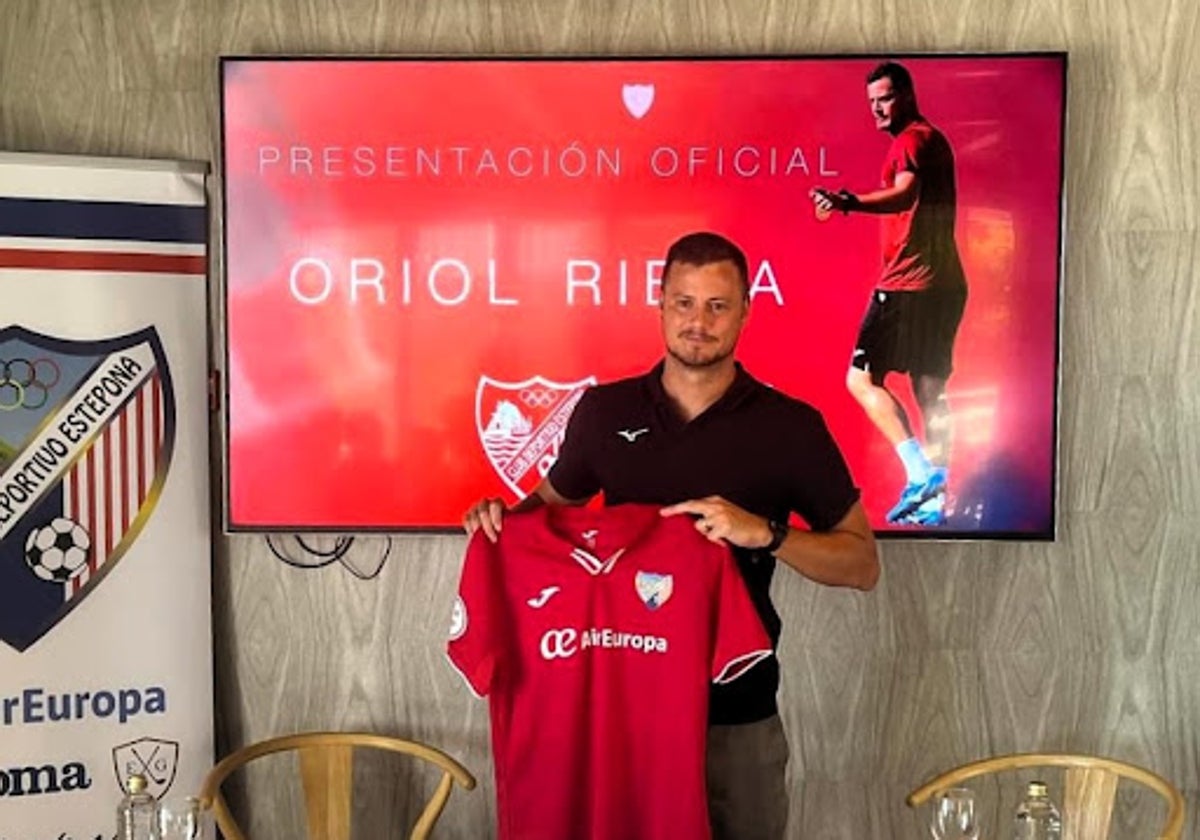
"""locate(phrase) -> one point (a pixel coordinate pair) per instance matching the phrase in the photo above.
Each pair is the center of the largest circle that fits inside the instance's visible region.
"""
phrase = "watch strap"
(779, 532)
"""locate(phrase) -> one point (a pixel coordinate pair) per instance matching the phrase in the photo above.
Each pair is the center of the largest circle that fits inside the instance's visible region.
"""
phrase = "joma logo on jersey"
(86, 434)
(538, 601)
(565, 642)
(521, 426)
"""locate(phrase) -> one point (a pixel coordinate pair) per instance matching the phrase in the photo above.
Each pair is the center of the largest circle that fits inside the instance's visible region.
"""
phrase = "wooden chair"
(326, 771)
(1090, 789)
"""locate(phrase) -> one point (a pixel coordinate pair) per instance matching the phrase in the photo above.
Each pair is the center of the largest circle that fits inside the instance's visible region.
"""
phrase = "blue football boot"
(930, 513)
(914, 494)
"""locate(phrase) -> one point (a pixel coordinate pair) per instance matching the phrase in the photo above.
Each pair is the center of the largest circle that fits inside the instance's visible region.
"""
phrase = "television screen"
(428, 260)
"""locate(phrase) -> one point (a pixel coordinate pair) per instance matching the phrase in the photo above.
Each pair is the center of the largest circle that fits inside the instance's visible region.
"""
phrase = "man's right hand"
(488, 513)
(485, 514)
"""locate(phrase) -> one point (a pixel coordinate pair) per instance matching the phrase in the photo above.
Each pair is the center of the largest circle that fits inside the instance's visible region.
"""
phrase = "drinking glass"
(182, 818)
(954, 816)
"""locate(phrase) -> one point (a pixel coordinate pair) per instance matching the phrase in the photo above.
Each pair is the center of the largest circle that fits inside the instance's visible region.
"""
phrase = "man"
(700, 435)
(915, 310)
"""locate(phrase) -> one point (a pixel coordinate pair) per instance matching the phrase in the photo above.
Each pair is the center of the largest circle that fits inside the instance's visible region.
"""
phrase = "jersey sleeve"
(572, 474)
(478, 638)
(908, 153)
(739, 640)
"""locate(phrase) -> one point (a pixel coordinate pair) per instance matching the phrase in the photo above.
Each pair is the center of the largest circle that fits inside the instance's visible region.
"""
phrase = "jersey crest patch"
(654, 589)
(458, 619)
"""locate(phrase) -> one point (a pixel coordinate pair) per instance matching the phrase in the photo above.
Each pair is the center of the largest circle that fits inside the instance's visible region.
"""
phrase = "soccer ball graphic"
(58, 552)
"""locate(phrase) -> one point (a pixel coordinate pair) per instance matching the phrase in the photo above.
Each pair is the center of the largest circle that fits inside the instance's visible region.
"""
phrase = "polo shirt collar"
(742, 387)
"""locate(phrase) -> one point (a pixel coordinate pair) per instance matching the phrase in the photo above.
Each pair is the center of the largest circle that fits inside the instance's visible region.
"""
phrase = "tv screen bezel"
(922, 535)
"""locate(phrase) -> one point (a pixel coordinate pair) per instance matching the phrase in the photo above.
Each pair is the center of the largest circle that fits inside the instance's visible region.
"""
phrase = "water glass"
(954, 816)
(182, 818)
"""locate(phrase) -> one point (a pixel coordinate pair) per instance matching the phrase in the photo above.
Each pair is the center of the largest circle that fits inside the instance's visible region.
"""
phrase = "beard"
(700, 358)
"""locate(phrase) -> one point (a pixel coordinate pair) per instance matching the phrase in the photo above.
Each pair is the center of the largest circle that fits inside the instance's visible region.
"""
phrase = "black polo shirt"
(756, 447)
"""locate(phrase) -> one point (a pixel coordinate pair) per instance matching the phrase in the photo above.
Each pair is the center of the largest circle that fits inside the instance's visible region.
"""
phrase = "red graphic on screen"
(407, 239)
(521, 426)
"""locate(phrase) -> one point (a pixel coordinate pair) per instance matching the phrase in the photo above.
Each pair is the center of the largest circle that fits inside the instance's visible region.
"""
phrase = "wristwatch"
(779, 532)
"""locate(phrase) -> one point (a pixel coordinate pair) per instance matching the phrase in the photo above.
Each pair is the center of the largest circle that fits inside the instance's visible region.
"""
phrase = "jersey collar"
(596, 538)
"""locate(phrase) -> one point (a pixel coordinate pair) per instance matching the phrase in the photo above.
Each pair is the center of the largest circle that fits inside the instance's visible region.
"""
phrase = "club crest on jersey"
(521, 425)
(654, 589)
(86, 434)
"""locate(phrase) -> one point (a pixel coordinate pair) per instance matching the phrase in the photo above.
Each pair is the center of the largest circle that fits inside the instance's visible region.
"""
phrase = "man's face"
(703, 312)
(891, 108)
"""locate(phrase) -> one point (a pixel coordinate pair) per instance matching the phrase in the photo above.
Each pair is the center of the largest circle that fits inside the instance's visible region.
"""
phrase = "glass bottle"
(137, 815)
(1037, 818)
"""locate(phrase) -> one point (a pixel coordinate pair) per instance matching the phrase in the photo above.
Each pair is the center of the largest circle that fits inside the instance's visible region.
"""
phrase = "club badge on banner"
(105, 623)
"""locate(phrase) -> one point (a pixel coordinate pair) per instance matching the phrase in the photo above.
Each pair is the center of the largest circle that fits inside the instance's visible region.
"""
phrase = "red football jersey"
(919, 250)
(595, 633)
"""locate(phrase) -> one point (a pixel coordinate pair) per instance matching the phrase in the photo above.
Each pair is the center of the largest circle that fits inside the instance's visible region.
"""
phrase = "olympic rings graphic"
(33, 387)
(537, 397)
(7, 404)
(54, 370)
(26, 383)
(25, 366)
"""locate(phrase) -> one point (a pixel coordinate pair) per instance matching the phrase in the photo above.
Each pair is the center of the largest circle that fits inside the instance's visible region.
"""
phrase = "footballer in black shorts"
(910, 332)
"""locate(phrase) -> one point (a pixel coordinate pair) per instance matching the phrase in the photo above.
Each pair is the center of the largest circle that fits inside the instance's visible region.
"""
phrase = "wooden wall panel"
(1091, 643)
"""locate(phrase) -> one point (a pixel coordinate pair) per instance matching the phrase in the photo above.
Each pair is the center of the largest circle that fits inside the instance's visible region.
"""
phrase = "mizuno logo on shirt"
(632, 434)
(538, 601)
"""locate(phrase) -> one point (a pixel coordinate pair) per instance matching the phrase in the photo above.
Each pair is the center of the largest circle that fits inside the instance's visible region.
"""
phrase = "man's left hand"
(721, 520)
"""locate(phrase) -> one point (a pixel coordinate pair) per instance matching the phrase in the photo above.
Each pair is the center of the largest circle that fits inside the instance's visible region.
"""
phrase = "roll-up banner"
(105, 622)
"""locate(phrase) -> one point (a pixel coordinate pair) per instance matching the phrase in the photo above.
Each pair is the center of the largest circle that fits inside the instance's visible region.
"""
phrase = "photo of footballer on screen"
(917, 304)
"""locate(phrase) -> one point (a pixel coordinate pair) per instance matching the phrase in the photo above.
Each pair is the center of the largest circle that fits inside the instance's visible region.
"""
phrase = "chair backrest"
(1089, 791)
(327, 772)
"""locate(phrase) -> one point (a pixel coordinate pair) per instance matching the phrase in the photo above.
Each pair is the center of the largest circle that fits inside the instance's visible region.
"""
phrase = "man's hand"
(485, 514)
(488, 513)
(827, 201)
(721, 520)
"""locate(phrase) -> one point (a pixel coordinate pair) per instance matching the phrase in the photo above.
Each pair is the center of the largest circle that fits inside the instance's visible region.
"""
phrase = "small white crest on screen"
(637, 99)
(458, 619)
